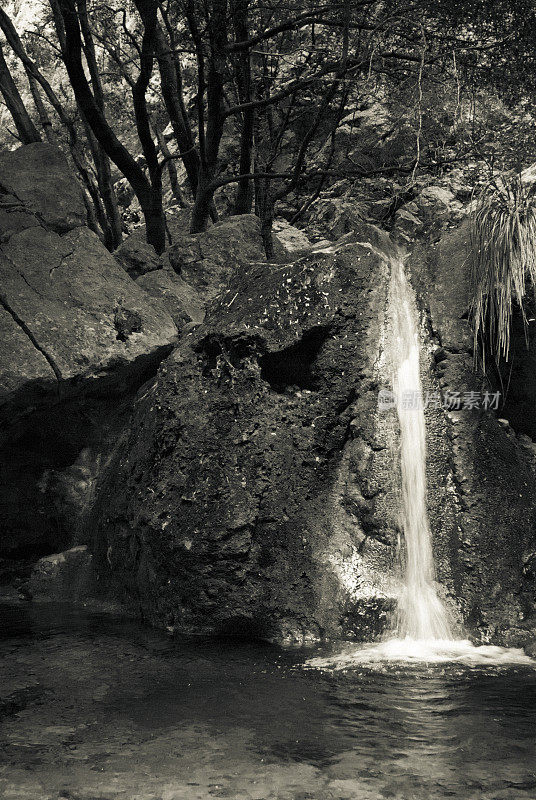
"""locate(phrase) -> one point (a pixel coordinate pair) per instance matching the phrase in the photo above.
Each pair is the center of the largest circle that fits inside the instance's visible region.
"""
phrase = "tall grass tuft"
(503, 240)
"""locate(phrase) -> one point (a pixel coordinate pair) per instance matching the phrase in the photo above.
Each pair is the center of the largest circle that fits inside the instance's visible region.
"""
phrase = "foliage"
(246, 105)
(503, 238)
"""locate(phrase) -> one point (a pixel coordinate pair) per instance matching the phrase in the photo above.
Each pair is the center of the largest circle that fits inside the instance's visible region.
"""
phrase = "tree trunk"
(117, 152)
(27, 131)
(201, 212)
(172, 169)
(113, 235)
(244, 191)
(155, 220)
(44, 119)
(204, 200)
(172, 95)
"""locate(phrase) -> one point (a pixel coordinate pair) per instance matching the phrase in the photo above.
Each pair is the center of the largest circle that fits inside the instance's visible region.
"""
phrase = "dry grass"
(503, 238)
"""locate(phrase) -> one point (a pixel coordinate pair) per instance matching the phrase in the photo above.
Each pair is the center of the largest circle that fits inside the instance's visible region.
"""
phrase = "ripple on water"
(95, 707)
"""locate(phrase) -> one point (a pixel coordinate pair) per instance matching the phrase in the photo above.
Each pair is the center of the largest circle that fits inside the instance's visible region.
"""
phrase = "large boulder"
(39, 179)
(251, 492)
(79, 310)
(70, 315)
(79, 338)
(207, 260)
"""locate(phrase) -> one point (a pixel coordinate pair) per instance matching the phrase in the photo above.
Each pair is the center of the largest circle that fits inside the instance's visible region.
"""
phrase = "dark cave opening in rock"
(294, 366)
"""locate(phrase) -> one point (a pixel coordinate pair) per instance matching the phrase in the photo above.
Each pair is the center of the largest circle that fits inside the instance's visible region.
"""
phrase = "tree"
(148, 190)
(25, 128)
(94, 203)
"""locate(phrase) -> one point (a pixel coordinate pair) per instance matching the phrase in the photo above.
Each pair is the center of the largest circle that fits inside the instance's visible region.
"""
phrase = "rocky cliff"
(249, 484)
(79, 336)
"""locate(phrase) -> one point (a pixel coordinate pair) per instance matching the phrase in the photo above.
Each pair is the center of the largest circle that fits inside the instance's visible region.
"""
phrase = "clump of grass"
(503, 239)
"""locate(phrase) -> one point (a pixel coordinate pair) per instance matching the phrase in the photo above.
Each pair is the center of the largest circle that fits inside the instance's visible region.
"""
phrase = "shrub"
(503, 240)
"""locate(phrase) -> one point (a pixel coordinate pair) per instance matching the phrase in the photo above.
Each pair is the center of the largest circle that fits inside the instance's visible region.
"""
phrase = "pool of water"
(94, 707)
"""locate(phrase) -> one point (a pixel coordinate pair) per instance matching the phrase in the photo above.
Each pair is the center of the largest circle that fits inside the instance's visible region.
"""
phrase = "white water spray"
(421, 614)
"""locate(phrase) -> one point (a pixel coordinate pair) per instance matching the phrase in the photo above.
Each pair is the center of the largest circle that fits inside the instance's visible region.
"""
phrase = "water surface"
(93, 707)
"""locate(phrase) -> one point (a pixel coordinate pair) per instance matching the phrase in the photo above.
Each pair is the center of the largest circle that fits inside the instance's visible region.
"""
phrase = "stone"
(207, 260)
(233, 503)
(78, 339)
(336, 216)
(27, 376)
(530, 649)
(182, 302)
(439, 204)
(136, 256)
(407, 224)
(63, 294)
(292, 239)
(66, 576)
(40, 179)
(450, 265)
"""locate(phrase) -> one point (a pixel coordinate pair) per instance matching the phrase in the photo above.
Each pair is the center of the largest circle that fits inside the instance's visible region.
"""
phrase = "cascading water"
(421, 614)
(422, 630)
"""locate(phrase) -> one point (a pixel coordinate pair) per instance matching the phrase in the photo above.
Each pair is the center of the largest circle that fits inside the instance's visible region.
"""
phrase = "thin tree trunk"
(149, 197)
(171, 167)
(44, 119)
(204, 200)
(27, 131)
(172, 95)
(102, 163)
(244, 191)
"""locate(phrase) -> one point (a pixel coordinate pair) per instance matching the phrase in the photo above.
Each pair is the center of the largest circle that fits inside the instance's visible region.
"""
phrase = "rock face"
(256, 491)
(232, 504)
(36, 180)
(71, 299)
(250, 484)
(486, 522)
(78, 336)
(182, 302)
(208, 260)
(64, 300)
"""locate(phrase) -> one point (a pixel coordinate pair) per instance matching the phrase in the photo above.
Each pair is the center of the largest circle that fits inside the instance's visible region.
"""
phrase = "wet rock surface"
(66, 576)
(255, 489)
(486, 521)
(218, 510)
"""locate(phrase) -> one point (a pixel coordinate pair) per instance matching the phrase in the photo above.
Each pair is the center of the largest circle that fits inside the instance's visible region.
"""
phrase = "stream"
(97, 707)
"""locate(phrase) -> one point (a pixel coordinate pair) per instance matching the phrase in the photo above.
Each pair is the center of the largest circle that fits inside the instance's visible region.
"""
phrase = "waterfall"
(422, 631)
(421, 614)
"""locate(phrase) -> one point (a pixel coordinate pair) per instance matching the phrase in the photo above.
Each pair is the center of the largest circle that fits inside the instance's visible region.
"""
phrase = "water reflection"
(92, 707)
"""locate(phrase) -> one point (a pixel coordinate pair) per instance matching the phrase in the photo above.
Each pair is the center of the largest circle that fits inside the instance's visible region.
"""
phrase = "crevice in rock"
(233, 350)
(294, 366)
(22, 325)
